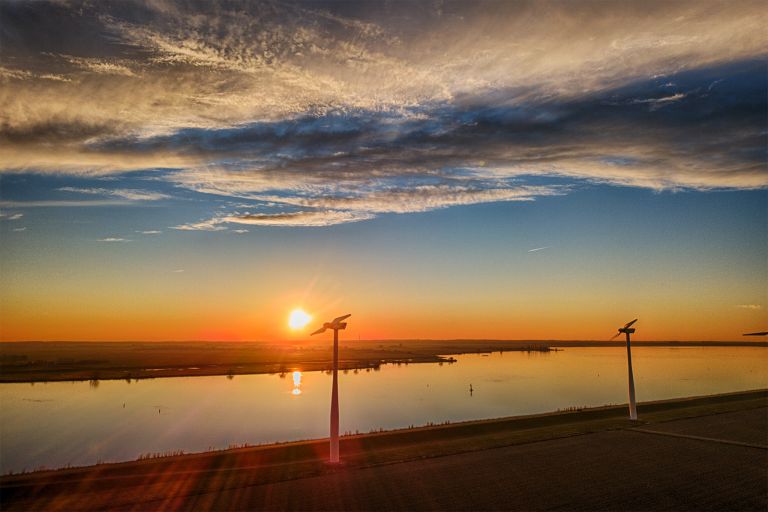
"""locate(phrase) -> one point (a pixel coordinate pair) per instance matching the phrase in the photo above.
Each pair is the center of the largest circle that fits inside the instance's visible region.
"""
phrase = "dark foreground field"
(706, 453)
(58, 361)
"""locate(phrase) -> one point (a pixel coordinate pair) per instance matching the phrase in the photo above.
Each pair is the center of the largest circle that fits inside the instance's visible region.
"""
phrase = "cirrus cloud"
(113, 240)
(128, 194)
(328, 113)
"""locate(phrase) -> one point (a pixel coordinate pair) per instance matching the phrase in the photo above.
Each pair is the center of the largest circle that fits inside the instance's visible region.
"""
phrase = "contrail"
(540, 248)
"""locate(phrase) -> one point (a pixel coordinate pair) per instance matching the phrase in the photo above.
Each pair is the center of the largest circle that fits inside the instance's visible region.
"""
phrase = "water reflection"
(62, 423)
(296, 383)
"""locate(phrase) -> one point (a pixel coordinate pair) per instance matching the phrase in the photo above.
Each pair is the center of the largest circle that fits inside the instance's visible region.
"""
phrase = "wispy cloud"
(150, 232)
(19, 230)
(10, 216)
(66, 204)
(101, 66)
(540, 248)
(323, 111)
(658, 101)
(349, 200)
(213, 224)
(318, 218)
(300, 218)
(112, 239)
(178, 271)
(750, 306)
(123, 193)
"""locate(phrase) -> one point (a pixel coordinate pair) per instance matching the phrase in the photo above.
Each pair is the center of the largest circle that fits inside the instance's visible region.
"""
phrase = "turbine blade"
(341, 318)
(629, 324)
(615, 336)
(319, 331)
(756, 334)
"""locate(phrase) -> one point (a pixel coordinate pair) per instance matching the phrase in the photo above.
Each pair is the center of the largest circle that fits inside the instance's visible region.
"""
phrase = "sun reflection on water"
(296, 383)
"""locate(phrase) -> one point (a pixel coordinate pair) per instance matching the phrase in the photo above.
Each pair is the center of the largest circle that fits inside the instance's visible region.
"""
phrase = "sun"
(298, 318)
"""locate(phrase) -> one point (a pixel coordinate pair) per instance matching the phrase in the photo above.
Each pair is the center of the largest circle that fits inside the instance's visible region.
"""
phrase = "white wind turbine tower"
(628, 329)
(336, 324)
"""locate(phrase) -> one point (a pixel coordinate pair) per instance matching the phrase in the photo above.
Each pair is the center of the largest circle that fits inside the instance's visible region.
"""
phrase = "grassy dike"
(105, 485)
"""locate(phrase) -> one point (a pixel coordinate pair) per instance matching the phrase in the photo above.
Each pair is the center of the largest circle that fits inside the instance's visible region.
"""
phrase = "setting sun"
(298, 319)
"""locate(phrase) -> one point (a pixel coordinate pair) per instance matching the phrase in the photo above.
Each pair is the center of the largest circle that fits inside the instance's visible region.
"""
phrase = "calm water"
(78, 423)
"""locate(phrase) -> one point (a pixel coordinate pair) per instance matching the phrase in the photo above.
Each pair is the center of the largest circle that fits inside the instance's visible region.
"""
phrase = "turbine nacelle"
(337, 324)
(627, 329)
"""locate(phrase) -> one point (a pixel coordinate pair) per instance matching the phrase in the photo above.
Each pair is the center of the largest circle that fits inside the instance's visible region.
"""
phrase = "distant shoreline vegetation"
(130, 361)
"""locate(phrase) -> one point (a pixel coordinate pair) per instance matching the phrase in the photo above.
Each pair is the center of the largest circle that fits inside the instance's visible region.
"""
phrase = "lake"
(78, 423)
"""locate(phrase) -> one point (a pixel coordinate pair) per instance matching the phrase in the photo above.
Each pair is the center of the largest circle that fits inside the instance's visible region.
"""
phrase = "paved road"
(614, 470)
(750, 427)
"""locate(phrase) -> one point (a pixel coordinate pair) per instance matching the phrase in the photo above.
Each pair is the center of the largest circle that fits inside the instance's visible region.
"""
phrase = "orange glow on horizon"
(394, 311)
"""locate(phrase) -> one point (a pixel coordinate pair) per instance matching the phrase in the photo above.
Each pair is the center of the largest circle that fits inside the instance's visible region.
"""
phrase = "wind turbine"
(628, 329)
(336, 324)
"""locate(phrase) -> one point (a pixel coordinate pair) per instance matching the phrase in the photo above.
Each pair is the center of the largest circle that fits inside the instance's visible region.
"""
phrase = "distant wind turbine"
(628, 329)
(336, 324)
(756, 334)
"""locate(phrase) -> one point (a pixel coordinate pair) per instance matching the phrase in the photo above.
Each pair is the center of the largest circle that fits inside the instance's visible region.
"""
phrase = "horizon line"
(304, 340)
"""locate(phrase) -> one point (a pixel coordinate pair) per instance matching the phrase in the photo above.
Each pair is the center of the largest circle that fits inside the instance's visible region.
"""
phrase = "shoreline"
(33, 362)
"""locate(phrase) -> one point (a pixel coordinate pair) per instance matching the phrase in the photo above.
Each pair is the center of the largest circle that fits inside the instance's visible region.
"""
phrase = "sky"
(175, 170)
